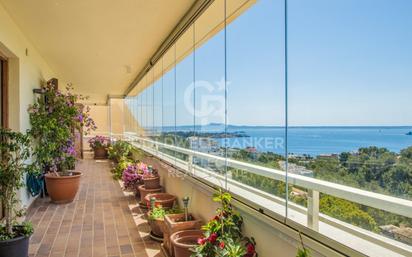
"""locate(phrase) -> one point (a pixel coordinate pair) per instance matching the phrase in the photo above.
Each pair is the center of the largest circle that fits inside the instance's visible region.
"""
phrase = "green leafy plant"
(119, 149)
(14, 150)
(223, 234)
(53, 118)
(123, 163)
(158, 212)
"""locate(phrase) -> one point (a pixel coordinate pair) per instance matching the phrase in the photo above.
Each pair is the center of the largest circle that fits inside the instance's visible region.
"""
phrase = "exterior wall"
(100, 115)
(116, 116)
(271, 242)
(26, 72)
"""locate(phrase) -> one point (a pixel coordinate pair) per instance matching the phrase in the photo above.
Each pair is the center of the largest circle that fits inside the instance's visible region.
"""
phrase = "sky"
(349, 63)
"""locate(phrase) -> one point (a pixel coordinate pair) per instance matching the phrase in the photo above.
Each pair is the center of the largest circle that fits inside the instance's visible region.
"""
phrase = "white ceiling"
(91, 43)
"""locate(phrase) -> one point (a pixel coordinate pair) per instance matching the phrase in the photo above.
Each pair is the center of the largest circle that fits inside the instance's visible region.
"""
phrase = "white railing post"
(313, 210)
(190, 163)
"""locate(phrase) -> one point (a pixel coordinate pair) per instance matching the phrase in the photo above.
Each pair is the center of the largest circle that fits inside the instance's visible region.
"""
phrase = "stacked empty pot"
(181, 233)
(151, 185)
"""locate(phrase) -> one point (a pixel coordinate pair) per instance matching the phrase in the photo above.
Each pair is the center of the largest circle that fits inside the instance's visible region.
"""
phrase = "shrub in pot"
(119, 149)
(223, 234)
(14, 150)
(99, 144)
(53, 119)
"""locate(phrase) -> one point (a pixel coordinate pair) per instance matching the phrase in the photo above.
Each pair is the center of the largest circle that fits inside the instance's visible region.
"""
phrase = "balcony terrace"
(102, 221)
(194, 87)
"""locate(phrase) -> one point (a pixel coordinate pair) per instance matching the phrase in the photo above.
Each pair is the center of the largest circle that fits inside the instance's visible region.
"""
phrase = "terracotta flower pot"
(100, 153)
(164, 199)
(183, 241)
(63, 189)
(143, 192)
(175, 223)
(157, 226)
(151, 182)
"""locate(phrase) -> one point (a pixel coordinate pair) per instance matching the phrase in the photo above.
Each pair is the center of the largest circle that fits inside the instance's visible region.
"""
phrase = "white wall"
(26, 72)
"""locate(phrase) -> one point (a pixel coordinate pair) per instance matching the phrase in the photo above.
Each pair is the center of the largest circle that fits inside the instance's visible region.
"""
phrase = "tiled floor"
(102, 221)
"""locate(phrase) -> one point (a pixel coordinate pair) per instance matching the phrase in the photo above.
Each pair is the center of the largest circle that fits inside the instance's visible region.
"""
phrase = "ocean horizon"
(309, 140)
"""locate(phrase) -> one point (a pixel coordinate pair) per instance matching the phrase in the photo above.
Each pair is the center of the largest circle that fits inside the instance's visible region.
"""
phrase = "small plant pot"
(175, 223)
(183, 241)
(143, 192)
(157, 227)
(63, 189)
(100, 153)
(16, 247)
(151, 182)
(162, 199)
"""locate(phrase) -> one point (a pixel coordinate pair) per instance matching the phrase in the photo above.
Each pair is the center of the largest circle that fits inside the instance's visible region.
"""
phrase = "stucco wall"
(26, 72)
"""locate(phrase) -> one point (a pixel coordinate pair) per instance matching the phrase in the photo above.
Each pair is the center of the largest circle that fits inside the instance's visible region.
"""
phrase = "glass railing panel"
(349, 106)
(256, 92)
(209, 89)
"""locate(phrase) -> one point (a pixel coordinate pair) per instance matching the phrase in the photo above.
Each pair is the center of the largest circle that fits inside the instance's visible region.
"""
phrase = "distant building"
(402, 233)
(204, 145)
(296, 169)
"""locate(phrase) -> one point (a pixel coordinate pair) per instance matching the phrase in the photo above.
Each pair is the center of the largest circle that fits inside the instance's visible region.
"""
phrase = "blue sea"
(313, 140)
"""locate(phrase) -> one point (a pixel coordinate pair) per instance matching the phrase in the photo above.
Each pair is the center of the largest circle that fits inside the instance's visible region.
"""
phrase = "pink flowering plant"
(54, 117)
(99, 141)
(223, 234)
(132, 176)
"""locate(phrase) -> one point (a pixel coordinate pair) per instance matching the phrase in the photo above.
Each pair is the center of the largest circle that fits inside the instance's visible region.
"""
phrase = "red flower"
(216, 218)
(222, 245)
(201, 241)
(250, 248)
(212, 238)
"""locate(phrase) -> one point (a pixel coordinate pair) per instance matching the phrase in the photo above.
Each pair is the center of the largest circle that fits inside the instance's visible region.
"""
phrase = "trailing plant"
(14, 151)
(120, 167)
(132, 176)
(53, 119)
(223, 234)
(99, 141)
(302, 252)
(119, 149)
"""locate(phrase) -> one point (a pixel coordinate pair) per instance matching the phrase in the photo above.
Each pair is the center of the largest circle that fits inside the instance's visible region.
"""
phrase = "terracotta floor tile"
(102, 221)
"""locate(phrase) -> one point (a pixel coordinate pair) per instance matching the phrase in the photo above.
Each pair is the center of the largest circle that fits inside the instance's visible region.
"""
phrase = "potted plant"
(14, 150)
(54, 118)
(99, 144)
(156, 220)
(223, 234)
(120, 167)
(132, 177)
